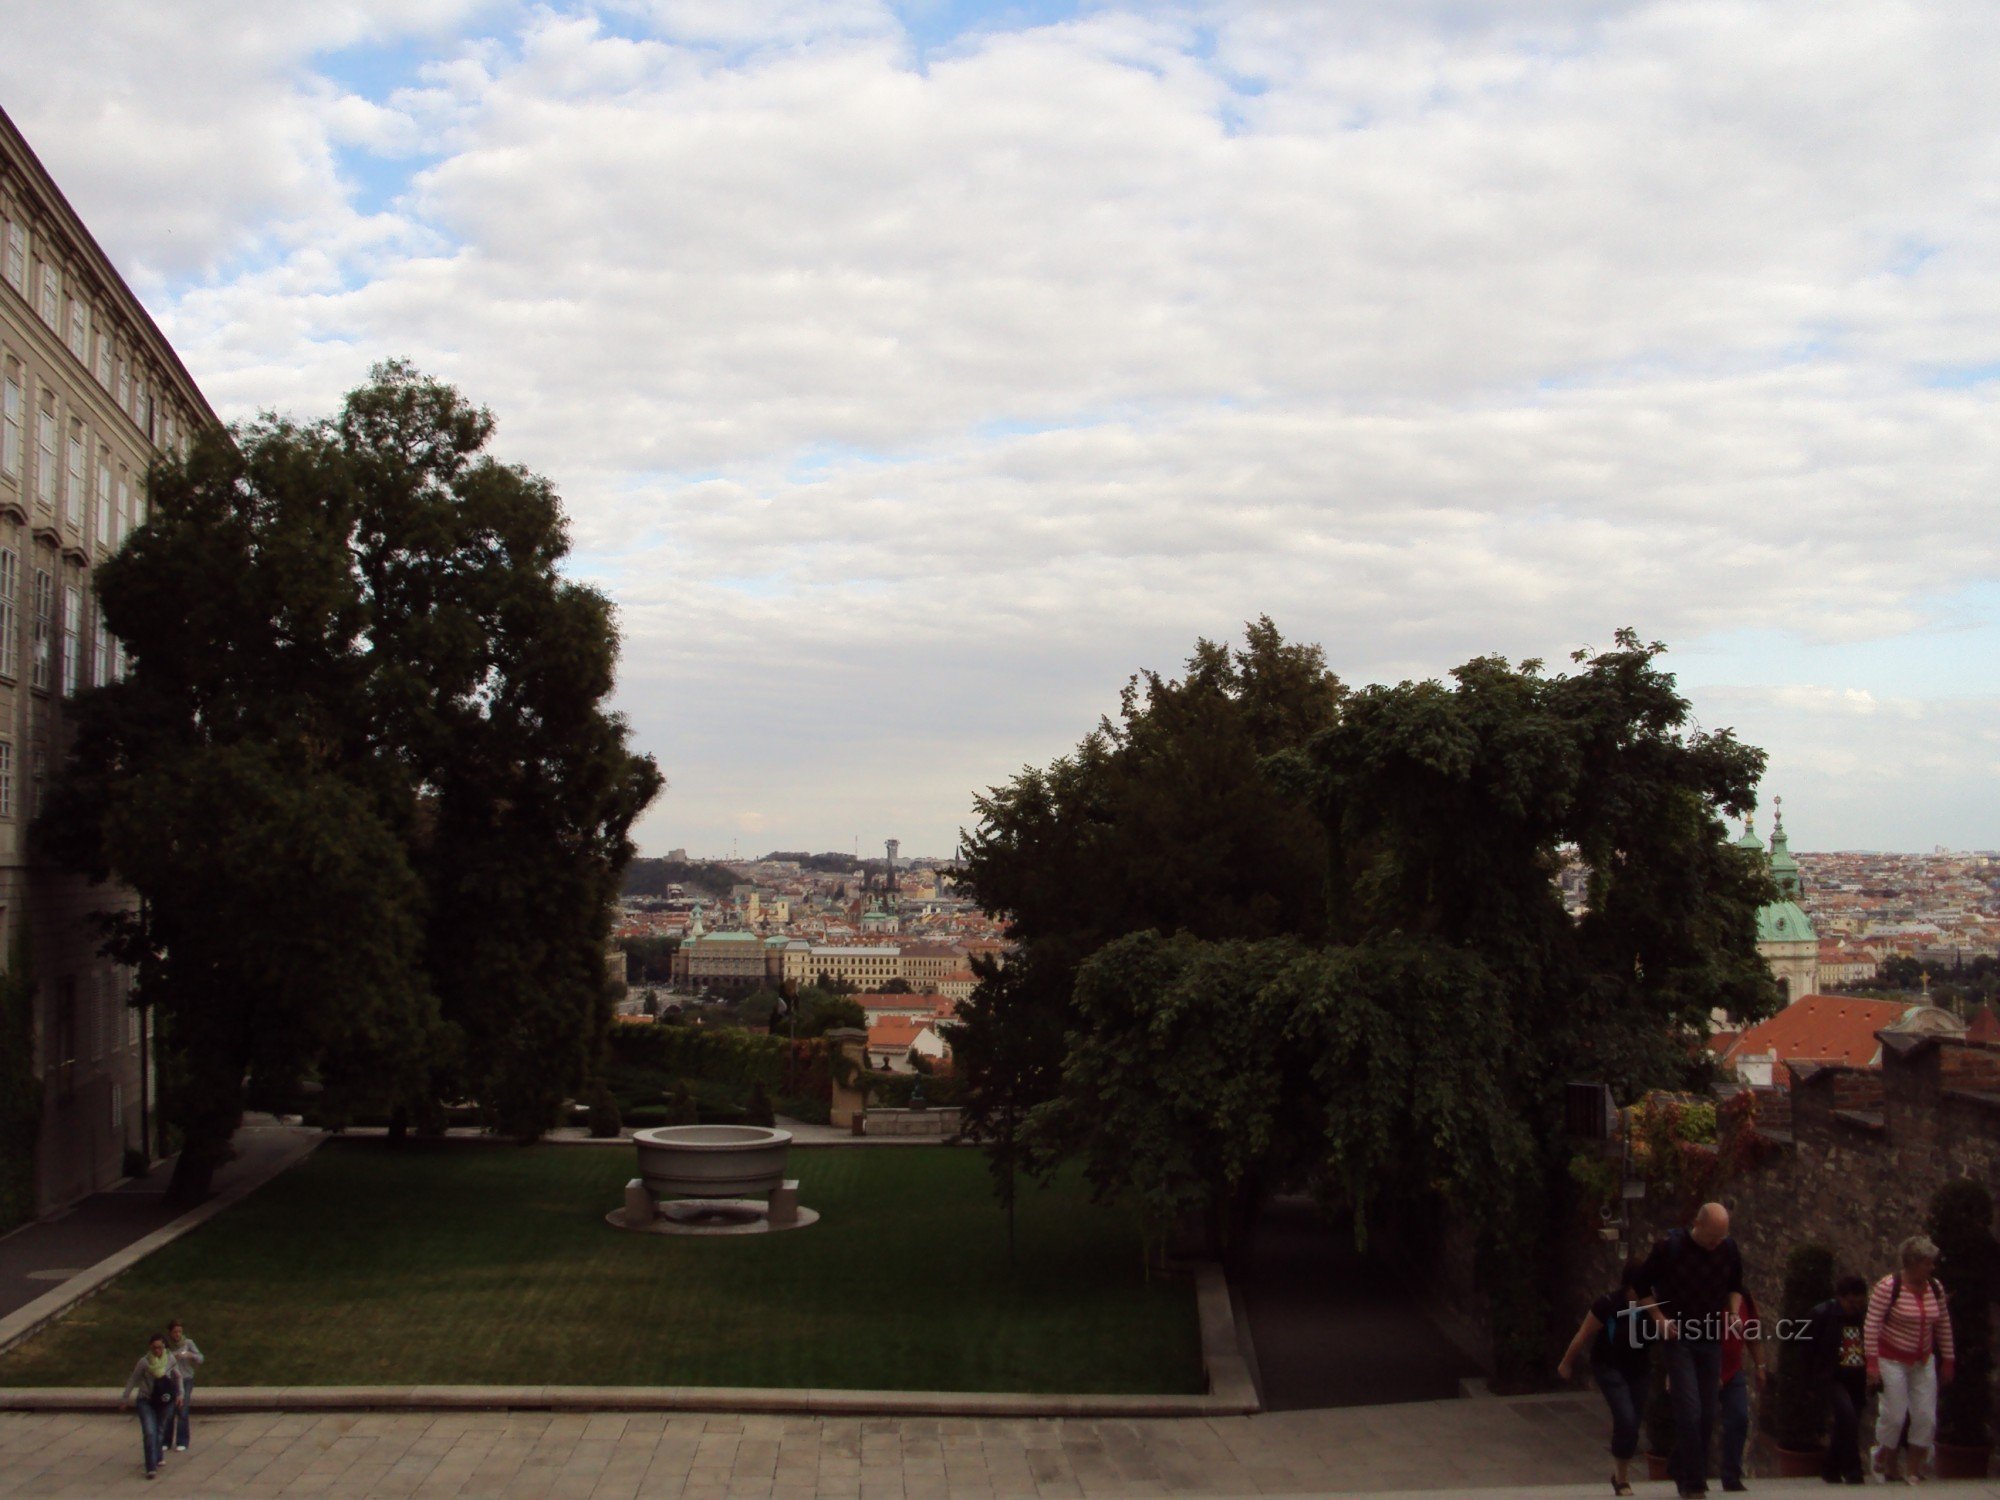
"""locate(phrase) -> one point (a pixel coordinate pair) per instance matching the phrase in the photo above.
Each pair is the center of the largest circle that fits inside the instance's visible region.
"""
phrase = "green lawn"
(470, 1264)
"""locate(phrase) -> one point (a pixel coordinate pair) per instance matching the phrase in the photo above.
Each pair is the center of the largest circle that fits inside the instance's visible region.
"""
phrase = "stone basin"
(712, 1161)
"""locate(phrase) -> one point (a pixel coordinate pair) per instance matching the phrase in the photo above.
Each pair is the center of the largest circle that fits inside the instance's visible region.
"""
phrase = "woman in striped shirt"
(1908, 1324)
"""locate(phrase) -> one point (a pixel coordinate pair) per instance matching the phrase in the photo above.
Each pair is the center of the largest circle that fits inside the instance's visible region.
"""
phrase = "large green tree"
(359, 771)
(1384, 1008)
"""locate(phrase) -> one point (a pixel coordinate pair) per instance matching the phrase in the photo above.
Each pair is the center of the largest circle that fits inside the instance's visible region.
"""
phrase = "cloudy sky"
(914, 372)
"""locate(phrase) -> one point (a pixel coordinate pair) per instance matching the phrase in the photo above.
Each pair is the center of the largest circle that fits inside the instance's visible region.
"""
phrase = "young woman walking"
(155, 1387)
(1615, 1331)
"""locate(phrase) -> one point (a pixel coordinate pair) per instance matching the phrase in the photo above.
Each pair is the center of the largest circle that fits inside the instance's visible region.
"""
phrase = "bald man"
(1695, 1276)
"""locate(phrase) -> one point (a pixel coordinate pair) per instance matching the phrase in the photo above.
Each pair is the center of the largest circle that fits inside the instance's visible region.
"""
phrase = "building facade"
(90, 395)
(1785, 935)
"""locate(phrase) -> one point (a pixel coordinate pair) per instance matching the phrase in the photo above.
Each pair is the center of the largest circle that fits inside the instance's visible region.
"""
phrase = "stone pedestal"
(784, 1205)
(640, 1209)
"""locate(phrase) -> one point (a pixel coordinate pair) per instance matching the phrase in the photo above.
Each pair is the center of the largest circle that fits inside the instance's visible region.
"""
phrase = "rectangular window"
(45, 625)
(117, 660)
(17, 257)
(104, 496)
(6, 778)
(10, 612)
(124, 516)
(105, 358)
(10, 425)
(41, 770)
(73, 491)
(125, 384)
(51, 308)
(79, 329)
(72, 636)
(45, 458)
(100, 654)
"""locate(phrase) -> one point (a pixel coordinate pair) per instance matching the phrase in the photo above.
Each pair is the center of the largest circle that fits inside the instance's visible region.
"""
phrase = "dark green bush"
(1801, 1414)
(758, 1110)
(1961, 1221)
(604, 1120)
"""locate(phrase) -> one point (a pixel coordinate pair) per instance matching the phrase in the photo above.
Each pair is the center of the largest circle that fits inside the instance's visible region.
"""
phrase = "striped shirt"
(1908, 1332)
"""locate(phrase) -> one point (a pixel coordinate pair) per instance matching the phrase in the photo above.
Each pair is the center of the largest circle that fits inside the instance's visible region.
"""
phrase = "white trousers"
(1907, 1391)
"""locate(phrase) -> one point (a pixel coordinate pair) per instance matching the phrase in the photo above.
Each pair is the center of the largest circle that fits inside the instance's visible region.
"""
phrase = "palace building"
(91, 394)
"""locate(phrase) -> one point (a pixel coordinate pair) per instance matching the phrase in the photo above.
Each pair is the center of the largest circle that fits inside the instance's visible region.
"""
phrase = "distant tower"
(892, 845)
(1785, 935)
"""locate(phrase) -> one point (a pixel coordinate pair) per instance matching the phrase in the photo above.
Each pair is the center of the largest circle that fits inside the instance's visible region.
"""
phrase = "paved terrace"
(1545, 1446)
(615, 1456)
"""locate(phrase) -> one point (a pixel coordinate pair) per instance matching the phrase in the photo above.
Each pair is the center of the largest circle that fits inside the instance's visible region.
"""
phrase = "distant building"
(1785, 935)
(1828, 1029)
(91, 394)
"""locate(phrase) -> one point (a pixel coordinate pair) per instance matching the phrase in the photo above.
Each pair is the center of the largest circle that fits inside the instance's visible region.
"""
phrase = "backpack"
(162, 1390)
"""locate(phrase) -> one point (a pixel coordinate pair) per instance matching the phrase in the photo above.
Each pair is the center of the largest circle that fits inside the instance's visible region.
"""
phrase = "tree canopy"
(1281, 934)
(359, 771)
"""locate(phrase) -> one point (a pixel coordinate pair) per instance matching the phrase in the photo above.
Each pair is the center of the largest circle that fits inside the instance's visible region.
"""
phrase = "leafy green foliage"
(20, 1089)
(1280, 934)
(1801, 1413)
(359, 771)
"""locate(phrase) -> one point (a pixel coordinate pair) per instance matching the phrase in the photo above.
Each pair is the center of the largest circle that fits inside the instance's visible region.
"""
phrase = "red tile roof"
(1985, 1026)
(898, 1032)
(1821, 1029)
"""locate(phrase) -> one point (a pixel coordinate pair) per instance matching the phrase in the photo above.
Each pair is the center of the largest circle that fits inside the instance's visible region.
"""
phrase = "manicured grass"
(474, 1264)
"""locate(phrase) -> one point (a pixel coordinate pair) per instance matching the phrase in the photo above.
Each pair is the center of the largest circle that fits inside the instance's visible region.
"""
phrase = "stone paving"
(1449, 1444)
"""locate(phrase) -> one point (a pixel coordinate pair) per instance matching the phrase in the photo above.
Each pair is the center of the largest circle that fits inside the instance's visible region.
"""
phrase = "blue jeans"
(179, 1435)
(150, 1432)
(1733, 1402)
(1618, 1394)
(1695, 1368)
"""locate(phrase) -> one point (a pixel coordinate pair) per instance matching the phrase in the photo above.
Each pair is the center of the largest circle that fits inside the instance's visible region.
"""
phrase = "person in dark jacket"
(154, 1388)
(1695, 1278)
(1840, 1374)
(1617, 1335)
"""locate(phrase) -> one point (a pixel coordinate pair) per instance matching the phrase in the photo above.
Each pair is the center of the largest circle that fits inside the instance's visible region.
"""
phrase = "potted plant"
(1961, 1221)
(1800, 1409)
(1659, 1418)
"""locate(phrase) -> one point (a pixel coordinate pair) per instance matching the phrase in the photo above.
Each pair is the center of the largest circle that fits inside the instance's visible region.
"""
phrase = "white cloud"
(907, 404)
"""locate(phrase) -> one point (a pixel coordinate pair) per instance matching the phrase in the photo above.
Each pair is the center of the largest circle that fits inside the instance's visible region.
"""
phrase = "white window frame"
(100, 654)
(72, 637)
(78, 332)
(46, 456)
(107, 355)
(122, 507)
(77, 474)
(6, 779)
(104, 496)
(10, 612)
(51, 300)
(12, 406)
(17, 256)
(44, 628)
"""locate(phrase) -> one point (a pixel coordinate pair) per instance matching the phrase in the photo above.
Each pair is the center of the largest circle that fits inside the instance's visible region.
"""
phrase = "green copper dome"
(1784, 922)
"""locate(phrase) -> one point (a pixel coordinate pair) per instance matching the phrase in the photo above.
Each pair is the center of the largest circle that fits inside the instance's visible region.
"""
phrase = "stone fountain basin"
(712, 1161)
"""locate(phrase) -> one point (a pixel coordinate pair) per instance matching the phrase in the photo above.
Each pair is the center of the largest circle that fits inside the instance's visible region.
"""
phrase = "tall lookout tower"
(889, 883)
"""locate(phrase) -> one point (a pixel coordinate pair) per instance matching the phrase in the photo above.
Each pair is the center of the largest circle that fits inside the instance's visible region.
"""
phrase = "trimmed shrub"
(1800, 1414)
(604, 1121)
(1961, 1221)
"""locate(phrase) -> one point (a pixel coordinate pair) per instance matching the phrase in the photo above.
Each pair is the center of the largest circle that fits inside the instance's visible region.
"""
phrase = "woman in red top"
(1908, 1324)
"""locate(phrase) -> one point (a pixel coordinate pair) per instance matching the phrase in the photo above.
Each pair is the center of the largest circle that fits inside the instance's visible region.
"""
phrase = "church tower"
(1785, 935)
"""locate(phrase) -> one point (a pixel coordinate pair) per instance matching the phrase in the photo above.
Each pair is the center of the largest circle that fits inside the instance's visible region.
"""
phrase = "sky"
(914, 373)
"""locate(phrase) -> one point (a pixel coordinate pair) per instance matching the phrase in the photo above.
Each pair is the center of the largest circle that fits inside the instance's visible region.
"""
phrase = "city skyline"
(914, 374)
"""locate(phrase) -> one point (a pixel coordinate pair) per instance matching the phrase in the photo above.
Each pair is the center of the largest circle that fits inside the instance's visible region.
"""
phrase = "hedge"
(724, 1055)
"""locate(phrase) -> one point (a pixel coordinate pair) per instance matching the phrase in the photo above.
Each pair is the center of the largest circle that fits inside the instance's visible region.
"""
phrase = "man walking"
(1695, 1277)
